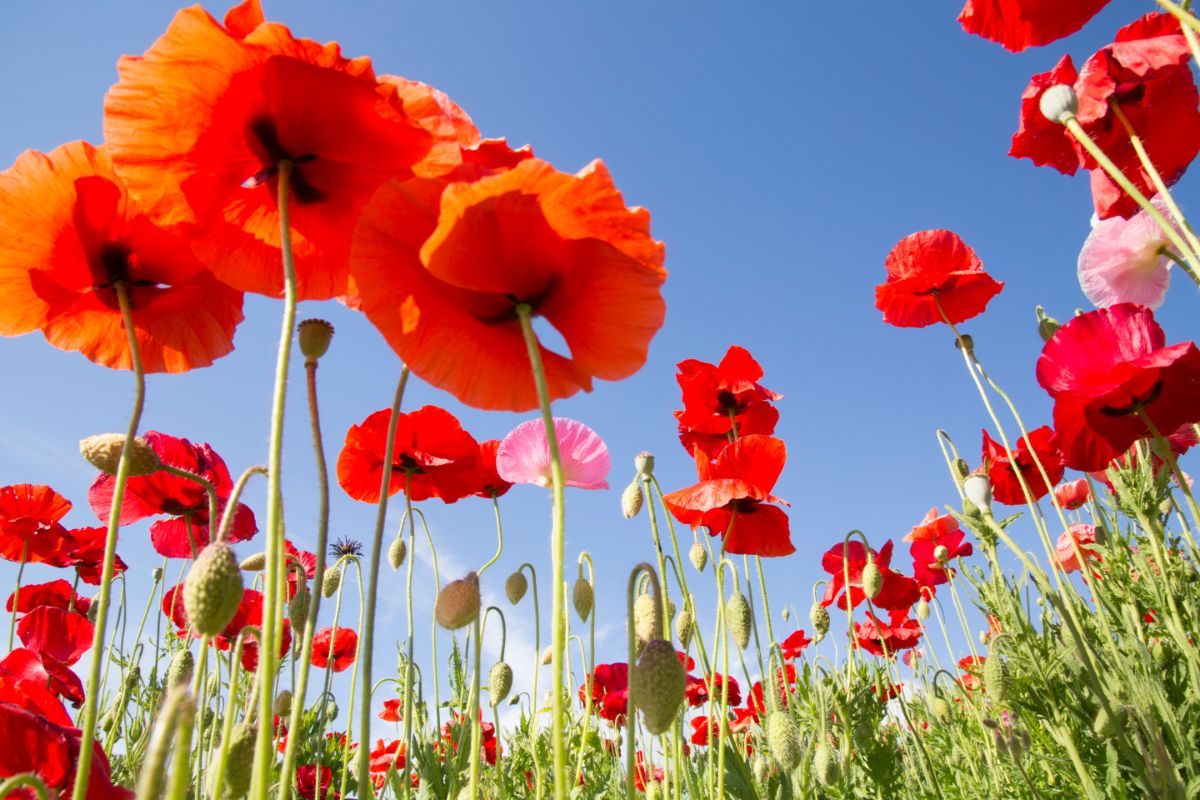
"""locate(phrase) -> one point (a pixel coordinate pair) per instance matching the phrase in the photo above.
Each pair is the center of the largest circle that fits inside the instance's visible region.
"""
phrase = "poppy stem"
(473, 707)
(88, 726)
(12, 626)
(499, 537)
(408, 658)
(26, 780)
(365, 731)
(589, 675)
(558, 635)
(537, 655)
(437, 581)
(209, 490)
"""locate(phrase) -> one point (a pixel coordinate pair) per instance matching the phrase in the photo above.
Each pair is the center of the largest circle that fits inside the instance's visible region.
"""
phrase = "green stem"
(12, 625)
(589, 675)
(405, 781)
(26, 780)
(631, 708)
(533, 700)
(473, 708)
(499, 537)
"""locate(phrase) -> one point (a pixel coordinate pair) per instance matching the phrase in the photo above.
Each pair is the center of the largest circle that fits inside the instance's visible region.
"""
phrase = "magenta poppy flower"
(184, 501)
(1122, 261)
(524, 455)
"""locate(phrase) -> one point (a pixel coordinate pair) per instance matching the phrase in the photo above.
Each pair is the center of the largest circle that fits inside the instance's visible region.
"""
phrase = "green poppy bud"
(658, 683)
(212, 591)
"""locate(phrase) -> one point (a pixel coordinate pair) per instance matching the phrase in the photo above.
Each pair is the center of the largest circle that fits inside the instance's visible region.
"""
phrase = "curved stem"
(499, 537)
(26, 780)
(437, 581)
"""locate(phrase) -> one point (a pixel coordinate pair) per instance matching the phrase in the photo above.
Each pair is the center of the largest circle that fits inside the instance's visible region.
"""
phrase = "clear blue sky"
(782, 149)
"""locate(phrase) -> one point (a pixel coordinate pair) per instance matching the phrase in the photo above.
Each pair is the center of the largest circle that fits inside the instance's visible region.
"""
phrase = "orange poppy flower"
(68, 232)
(441, 272)
(199, 124)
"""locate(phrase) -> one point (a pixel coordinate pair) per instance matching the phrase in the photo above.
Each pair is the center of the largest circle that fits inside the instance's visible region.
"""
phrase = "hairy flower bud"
(1059, 103)
(500, 680)
(331, 581)
(458, 602)
(180, 671)
(684, 623)
(1047, 325)
(818, 615)
(397, 552)
(631, 499)
(922, 609)
(647, 617)
(239, 764)
(315, 336)
(583, 598)
(939, 708)
(698, 555)
(298, 607)
(739, 619)
(783, 739)
(872, 579)
(256, 562)
(961, 468)
(825, 765)
(103, 451)
(515, 587)
(997, 679)
(547, 656)
(658, 683)
(212, 591)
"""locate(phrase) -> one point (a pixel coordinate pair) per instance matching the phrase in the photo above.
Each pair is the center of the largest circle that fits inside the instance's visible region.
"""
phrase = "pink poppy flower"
(1085, 538)
(1073, 494)
(524, 455)
(1122, 261)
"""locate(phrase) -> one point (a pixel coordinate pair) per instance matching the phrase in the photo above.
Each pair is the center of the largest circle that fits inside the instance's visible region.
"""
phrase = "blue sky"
(782, 149)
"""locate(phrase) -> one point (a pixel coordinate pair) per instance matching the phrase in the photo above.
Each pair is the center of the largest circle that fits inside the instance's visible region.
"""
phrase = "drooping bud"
(256, 562)
(315, 336)
(631, 499)
(331, 581)
(239, 764)
(965, 343)
(331, 709)
(397, 552)
(658, 683)
(103, 451)
(298, 607)
(212, 591)
(283, 704)
(1047, 325)
(500, 681)
(818, 615)
(997, 679)
(180, 671)
(872, 579)
(826, 767)
(762, 770)
(684, 623)
(922, 609)
(582, 597)
(939, 708)
(978, 489)
(783, 739)
(786, 613)
(458, 603)
(739, 618)
(156, 574)
(1059, 103)
(515, 587)
(961, 468)
(643, 462)
(647, 617)
(698, 554)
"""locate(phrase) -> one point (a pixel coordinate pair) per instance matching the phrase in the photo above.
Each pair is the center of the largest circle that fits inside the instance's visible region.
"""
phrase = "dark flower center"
(112, 266)
(263, 133)
(1136, 404)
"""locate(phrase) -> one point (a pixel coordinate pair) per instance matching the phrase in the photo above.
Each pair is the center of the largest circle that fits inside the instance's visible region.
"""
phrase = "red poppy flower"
(457, 727)
(392, 710)
(723, 402)
(1146, 74)
(1002, 472)
(698, 690)
(1073, 494)
(733, 497)
(338, 646)
(972, 667)
(442, 286)
(431, 452)
(703, 730)
(185, 501)
(610, 691)
(1018, 24)
(85, 551)
(756, 701)
(898, 633)
(794, 645)
(68, 232)
(383, 758)
(482, 479)
(250, 647)
(35, 744)
(1085, 539)
(897, 591)
(312, 782)
(29, 526)
(932, 526)
(36, 685)
(56, 633)
(57, 594)
(307, 562)
(1105, 366)
(205, 152)
(250, 612)
(929, 268)
(642, 775)
(927, 571)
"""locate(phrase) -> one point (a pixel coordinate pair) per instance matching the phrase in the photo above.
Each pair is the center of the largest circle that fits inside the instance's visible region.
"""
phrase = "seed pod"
(515, 586)
(283, 703)
(212, 591)
(922, 609)
(872, 579)
(941, 554)
(181, 670)
(684, 624)
(997, 680)
(458, 603)
(397, 552)
(239, 764)
(818, 615)
(582, 597)
(658, 683)
(739, 619)
(1108, 725)
(499, 682)
(103, 451)
(647, 619)
(156, 574)
(783, 739)
(631, 499)
(315, 336)
(255, 562)
(698, 555)
(643, 462)
(825, 765)
(331, 581)
(1059, 103)
(547, 656)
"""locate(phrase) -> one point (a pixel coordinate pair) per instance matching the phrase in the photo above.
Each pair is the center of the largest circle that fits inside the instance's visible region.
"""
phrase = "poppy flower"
(703, 729)
(431, 451)
(927, 570)
(931, 268)
(391, 711)
(1105, 367)
(29, 527)
(307, 562)
(35, 744)
(972, 667)
(312, 782)
(185, 501)
(199, 124)
(443, 286)
(1002, 472)
(1123, 261)
(1018, 24)
(756, 701)
(28, 682)
(85, 551)
(56, 594)
(881, 638)
(1073, 494)
(932, 526)
(733, 497)
(69, 232)
(56, 633)
(724, 401)
(897, 591)
(383, 758)
(250, 612)
(699, 689)
(483, 479)
(250, 645)
(643, 775)
(338, 646)
(1085, 538)
(524, 455)
(1043, 141)
(794, 644)
(610, 691)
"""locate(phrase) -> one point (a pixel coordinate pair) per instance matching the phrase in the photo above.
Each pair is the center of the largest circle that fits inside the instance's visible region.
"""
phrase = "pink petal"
(524, 455)
(1120, 262)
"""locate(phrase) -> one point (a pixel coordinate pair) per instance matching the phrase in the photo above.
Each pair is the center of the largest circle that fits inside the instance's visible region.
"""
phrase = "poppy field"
(1032, 635)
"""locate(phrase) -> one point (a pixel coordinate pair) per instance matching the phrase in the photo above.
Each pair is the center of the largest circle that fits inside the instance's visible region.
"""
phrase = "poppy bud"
(515, 587)
(965, 343)
(658, 683)
(783, 739)
(762, 770)
(458, 603)
(922, 609)
(331, 710)
(298, 607)
(1059, 103)
(1047, 326)
(978, 489)
(547, 656)
(103, 451)
(315, 336)
(239, 764)
(212, 591)
(939, 708)
(156, 574)
(397, 552)
(683, 627)
(997, 680)
(698, 555)
(582, 597)
(653, 790)
(1108, 725)
(961, 468)
(256, 562)
(500, 681)
(283, 704)
(132, 678)
(180, 671)
(941, 555)
(818, 615)
(825, 765)
(631, 499)
(647, 617)
(331, 581)
(872, 579)
(786, 613)
(739, 619)
(643, 462)
(179, 711)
